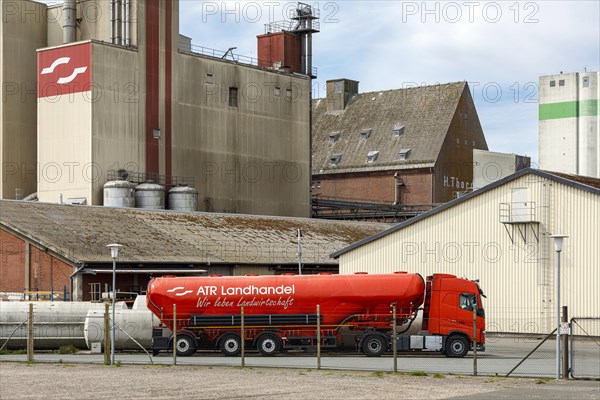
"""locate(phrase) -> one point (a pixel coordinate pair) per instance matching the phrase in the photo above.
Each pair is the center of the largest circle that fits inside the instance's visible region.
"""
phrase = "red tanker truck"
(280, 313)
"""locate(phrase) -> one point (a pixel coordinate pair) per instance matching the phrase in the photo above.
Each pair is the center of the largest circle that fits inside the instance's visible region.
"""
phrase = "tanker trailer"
(280, 312)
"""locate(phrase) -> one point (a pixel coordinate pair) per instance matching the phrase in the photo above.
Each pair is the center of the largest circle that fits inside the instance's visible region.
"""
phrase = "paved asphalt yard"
(84, 381)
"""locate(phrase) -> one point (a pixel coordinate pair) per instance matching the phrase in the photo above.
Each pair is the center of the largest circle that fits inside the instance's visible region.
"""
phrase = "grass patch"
(418, 373)
(378, 374)
(438, 376)
(541, 381)
(67, 349)
(118, 364)
(5, 351)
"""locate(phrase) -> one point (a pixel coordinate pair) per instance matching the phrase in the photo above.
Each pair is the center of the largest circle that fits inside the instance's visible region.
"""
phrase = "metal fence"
(507, 353)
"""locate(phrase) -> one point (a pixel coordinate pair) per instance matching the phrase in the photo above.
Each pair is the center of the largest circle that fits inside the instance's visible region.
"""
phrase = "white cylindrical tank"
(55, 323)
(150, 196)
(119, 194)
(183, 198)
(136, 324)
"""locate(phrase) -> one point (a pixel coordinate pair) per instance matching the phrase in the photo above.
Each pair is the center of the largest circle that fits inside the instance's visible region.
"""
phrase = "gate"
(585, 348)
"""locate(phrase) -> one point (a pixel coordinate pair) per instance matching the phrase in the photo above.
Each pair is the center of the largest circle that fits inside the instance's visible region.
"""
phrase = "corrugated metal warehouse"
(500, 235)
(51, 246)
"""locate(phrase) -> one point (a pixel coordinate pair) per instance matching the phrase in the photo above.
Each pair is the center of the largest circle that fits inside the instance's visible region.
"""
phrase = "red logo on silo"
(64, 70)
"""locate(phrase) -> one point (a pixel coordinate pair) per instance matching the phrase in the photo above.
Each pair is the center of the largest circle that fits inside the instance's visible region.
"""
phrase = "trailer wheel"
(268, 344)
(456, 347)
(231, 344)
(185, 345)
(374, 345)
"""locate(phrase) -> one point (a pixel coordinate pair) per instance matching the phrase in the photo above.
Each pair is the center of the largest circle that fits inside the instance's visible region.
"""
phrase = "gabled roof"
(584, 183)
(425, 113)
(81, 233)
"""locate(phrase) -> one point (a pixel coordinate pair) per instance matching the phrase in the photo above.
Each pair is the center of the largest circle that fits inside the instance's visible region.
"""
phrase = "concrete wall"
(23, 29)
(517, 274)
(489, 166)
(253, 158)
(569, 139)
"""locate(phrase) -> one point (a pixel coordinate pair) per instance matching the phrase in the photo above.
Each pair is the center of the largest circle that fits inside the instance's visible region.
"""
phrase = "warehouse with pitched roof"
(500, 234)
(409, 146)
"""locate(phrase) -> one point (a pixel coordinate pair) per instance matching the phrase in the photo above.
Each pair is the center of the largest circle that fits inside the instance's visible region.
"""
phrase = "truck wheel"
(374, 346)
(268, 345)
(231, 344)
(456, 347)
(185, 346)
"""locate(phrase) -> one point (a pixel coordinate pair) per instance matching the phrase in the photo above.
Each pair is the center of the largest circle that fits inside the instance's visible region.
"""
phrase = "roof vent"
(372, 156)
(404, 154)
(365, 133)
(335, 159)
(333, 137)
(398, 130)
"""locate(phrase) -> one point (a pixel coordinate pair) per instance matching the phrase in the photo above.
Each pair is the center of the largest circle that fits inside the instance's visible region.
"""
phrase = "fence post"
(318, 336)
(394, 340)
(106, 335)
(174, 334)
(30, 335)
(242, 340)
(565, 342)
(475, 339)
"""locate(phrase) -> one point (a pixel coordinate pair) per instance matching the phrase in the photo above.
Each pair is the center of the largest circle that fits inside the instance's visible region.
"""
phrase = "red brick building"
(409, 146)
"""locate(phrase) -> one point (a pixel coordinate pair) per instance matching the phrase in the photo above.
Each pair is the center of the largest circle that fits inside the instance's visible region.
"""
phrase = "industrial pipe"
(70, 24)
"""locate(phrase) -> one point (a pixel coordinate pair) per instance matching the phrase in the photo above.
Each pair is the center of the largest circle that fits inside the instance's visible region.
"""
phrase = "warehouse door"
(519, 208)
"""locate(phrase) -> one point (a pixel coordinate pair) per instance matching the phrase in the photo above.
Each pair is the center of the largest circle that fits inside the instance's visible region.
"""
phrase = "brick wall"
(376, 186)
(12, 267)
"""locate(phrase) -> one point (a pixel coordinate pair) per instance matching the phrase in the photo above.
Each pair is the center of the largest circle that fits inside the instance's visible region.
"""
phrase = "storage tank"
(150, 195)
(119, 193)
(339, 296)
(183, 198)
(137, 324)
(55, 324)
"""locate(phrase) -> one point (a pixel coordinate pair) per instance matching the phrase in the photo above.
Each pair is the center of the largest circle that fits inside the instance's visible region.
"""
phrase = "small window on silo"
(156, 133)
(586, 81)
(277, 91)
(561, 82)
(210, 79)
(288, 93)
(338, 87)
(552, 83)
(233, 97)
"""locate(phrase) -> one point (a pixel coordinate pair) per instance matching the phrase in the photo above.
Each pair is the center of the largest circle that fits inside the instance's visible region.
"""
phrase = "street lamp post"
(558, 243)
(114, 253)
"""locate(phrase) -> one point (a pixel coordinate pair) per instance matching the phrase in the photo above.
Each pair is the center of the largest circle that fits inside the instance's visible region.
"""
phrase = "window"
(316, 185)
(473, 143)
(335, 159)
(467, 301)
(338, 87)
(404, 154)
(586, 81)
(288, 93)
(365, 134)
(333, 137)
(156, 133)
(466, 115)
(210, 79)
(457, 140)
(398, 130)
(372, 156)
(561, 82)
(552, 83)
(233, 97)
(277, 91)
(466, 142)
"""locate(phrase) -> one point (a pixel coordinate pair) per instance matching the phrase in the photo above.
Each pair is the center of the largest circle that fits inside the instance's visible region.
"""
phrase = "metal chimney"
(70, 26)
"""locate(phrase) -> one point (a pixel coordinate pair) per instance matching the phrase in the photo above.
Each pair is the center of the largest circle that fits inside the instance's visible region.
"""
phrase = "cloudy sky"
(500, 48)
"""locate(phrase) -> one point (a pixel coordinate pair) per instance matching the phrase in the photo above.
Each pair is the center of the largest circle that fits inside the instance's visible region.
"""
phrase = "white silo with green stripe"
(568, 118)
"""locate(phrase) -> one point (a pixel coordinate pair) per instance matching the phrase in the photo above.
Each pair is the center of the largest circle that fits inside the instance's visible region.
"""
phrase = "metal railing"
(518, 212)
